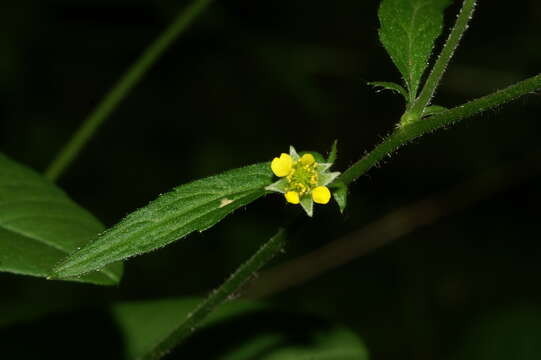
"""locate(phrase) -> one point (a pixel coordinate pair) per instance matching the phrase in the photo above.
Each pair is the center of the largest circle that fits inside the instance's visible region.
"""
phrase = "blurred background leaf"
(144, 323)
(40, 225)
(513, 332)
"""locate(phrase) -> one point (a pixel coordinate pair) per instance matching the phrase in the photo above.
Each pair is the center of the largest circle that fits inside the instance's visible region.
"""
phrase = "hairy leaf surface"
(408, 29)
(195, 206)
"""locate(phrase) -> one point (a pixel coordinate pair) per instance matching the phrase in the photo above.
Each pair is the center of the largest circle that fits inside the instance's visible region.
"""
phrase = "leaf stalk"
(466, 12)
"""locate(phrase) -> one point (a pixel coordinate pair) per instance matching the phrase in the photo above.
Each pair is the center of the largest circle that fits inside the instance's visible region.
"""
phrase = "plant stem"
(218, 296)
(392, 226)
(404, 134)
(120, 90)
(445, 56)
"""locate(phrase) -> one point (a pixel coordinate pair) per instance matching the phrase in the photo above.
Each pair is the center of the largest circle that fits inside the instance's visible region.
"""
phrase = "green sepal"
(278, 186)
(307, 204)
(322, 167)
(327, 178)
(340, 194)
(332, 155)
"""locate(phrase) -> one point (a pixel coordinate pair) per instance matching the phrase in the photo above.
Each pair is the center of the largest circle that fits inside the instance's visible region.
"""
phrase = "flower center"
(303, 177)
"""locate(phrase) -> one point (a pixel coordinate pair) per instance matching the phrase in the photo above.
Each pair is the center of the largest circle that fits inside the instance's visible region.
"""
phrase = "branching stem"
(445, 56)
(403, 135)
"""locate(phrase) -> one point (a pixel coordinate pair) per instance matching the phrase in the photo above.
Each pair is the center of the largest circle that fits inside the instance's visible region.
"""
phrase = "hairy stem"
(405, 134)
(443, 59)
(392, 226)
(120, 90)
(218, 296)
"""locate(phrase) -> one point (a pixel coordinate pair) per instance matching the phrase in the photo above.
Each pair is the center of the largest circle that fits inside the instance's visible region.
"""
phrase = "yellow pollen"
(321, 195)
(292, 197)
(282, 166)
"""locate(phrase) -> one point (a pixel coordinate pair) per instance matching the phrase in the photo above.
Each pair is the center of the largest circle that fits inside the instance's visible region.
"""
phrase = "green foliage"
(187, 325)
(511, 333)
(387, 85)
(434, 78)
(408, 31)
(26, 311)
(40, 225)
(404, 134)
(335, 344)
(191, 207)
(145, 323)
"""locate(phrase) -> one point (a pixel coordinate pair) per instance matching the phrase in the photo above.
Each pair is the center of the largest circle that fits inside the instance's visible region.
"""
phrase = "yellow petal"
(292, 197)
(308, 159)
(282, 166)
(321, 195)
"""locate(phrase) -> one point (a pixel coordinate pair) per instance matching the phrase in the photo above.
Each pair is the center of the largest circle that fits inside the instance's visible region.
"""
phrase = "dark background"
(247, 80)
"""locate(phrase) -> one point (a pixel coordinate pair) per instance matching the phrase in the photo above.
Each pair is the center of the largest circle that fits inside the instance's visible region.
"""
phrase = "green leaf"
(253, 331)
(408, 29)
(387, 85)
(512, 332)
(25, 312)
(340, 194)
(338, 343)
(40, 225)
(145, 323)
(196, 206)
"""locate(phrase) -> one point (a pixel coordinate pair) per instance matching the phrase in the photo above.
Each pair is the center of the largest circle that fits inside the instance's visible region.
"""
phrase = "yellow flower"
(307, 159)
(282, 166)
(303, 180)
(292, 197)
(321, 195)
